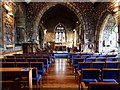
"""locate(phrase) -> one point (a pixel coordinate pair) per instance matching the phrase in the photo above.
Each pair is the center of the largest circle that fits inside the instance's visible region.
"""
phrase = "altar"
(60, 48)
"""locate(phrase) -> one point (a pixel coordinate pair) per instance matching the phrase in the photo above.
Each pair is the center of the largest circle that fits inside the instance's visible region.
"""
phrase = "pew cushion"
(39, 78)
(40, 71)
(45, 66)
(75, 65)
(109, 80)
(89, 80)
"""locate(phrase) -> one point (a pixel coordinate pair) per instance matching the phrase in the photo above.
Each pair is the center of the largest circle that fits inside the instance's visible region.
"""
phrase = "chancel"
(60, 44)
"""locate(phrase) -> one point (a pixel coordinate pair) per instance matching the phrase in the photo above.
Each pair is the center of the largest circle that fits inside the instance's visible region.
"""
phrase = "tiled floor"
(60, 76)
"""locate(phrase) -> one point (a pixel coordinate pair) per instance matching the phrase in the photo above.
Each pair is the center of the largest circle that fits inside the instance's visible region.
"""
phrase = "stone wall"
(8, 10)
(84, 12)
(1, 36)
(10, 23)
(90, 18)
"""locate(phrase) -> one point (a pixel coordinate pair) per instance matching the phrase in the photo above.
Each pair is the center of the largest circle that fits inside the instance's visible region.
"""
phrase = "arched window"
(59, 33)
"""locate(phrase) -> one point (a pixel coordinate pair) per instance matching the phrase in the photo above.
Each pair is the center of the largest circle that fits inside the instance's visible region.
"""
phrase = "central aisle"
(60, 76)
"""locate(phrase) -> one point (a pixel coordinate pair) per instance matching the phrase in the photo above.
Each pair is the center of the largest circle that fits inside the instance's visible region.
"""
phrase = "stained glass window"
(60, 34)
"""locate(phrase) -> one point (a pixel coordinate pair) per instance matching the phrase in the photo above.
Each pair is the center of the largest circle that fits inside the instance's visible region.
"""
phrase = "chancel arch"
(70, 7)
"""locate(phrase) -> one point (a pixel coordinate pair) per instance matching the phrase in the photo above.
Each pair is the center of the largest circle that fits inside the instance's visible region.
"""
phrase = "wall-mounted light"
(45, 31)
(42, 22)
(74, 30)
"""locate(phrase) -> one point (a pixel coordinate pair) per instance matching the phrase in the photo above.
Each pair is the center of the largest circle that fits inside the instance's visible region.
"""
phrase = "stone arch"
(71, 6)
(99, 27)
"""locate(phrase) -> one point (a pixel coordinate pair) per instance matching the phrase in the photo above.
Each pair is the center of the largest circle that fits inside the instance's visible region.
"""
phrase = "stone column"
(119, 37)
(118, 20)
(1, 37)
(119, 42)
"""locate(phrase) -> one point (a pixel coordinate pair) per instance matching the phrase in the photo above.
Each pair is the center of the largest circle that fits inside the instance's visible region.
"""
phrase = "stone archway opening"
(37, 20)
(59, 14)
(108, 35)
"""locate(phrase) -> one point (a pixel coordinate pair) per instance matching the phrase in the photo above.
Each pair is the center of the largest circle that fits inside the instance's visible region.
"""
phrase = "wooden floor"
(60, 76)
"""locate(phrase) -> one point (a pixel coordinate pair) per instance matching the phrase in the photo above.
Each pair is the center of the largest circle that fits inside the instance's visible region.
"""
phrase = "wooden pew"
(103, 86)
(10, 59)
(16, 76)
(45, 61)
(8, 64)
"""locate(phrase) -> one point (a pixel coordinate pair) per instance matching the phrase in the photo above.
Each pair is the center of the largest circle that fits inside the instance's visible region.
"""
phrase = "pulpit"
(29, 47)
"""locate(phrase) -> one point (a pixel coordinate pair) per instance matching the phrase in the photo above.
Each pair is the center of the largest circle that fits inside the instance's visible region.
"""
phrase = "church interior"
(60, 44)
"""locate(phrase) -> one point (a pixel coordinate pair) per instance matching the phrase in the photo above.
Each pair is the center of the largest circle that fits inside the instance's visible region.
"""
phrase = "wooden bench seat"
(12, 76)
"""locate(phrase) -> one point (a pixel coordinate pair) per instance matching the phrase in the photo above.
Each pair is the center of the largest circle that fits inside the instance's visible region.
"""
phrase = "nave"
(60, 75)
(75, 35)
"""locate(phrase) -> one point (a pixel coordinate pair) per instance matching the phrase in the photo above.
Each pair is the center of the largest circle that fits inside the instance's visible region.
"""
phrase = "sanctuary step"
(60, 54)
